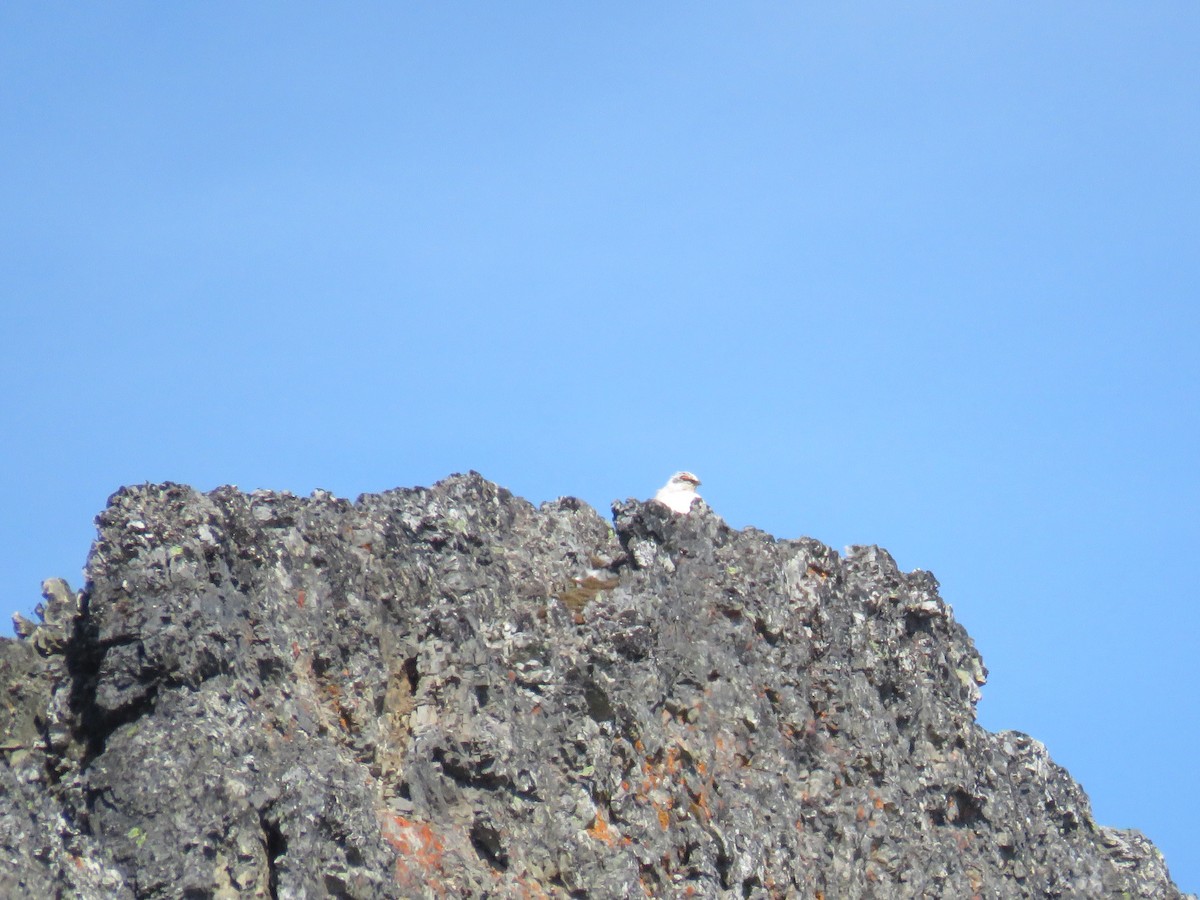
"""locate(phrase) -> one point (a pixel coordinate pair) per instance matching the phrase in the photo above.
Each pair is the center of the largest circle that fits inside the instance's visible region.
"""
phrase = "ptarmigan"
(680, 492)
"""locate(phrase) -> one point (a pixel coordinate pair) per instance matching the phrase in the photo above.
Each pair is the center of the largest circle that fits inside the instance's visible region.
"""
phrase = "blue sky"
(923, 275)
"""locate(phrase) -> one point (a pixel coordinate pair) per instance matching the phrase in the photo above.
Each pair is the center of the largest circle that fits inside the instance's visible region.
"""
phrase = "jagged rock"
(447, 692)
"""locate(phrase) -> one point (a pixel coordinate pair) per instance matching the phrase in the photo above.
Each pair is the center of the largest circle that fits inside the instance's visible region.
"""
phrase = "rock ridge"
(450, 692)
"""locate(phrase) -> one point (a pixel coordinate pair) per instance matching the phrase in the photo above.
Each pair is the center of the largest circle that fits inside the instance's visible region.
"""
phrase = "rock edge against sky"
(448, 692)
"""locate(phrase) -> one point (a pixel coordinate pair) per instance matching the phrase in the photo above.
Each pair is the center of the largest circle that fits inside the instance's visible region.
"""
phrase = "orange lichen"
(672, 765)
(600, 830)
(530, 889)
(420, 853)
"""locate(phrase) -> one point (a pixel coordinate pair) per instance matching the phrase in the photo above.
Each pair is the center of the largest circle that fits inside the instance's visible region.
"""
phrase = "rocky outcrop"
(448, 692)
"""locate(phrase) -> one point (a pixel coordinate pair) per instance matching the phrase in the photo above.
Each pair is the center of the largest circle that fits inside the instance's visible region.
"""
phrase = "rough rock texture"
(448, 692)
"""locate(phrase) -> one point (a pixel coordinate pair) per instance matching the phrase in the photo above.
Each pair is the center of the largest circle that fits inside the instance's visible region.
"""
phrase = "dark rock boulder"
(448, 692)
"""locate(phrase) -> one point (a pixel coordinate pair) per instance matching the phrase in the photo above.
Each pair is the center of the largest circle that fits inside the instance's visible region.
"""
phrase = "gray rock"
(448, 692)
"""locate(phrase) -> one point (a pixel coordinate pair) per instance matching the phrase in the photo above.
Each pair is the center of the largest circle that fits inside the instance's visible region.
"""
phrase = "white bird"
(680, 492)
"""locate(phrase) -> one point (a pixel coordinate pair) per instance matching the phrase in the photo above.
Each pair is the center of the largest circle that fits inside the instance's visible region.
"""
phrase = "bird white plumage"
(679, 493)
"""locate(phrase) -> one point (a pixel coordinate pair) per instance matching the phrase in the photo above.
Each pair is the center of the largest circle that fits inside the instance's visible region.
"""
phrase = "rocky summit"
(449, 692)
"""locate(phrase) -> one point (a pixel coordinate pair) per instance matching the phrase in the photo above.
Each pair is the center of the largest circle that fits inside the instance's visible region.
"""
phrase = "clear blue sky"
(924, 275)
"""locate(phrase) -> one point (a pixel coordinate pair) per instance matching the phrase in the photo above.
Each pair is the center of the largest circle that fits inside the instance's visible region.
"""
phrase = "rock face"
(448, 692)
